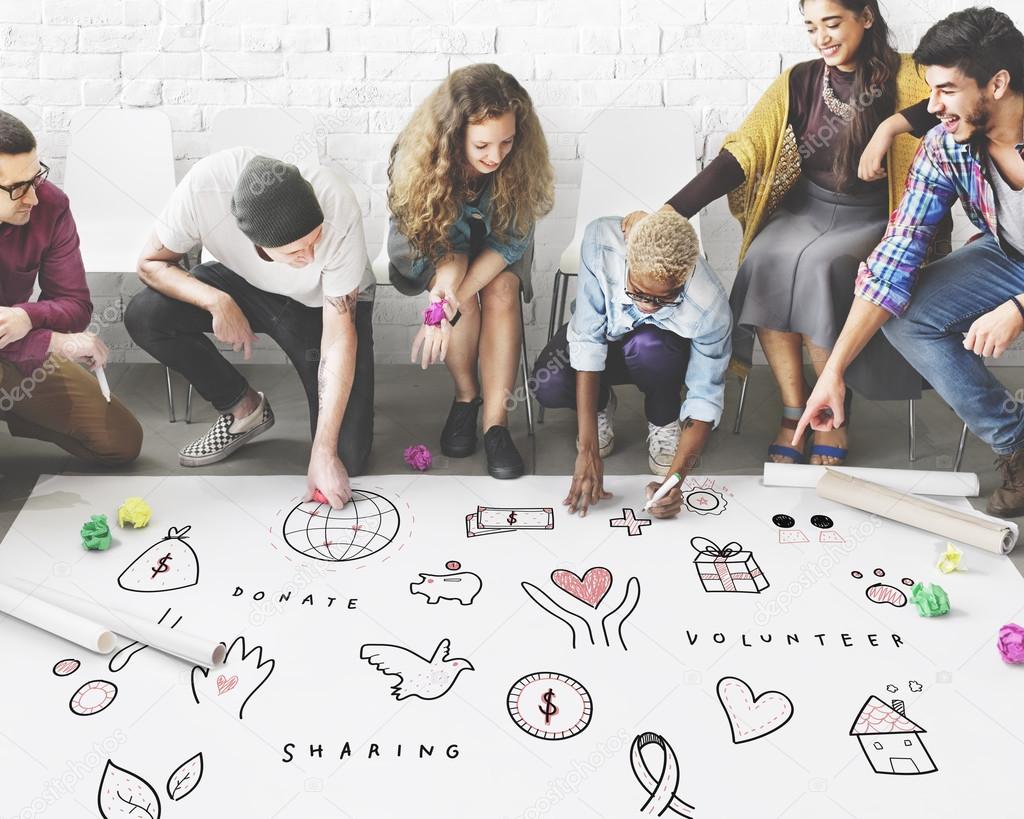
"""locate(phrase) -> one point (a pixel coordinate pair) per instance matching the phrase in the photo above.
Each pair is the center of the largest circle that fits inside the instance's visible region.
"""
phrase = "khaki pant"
(61, 402)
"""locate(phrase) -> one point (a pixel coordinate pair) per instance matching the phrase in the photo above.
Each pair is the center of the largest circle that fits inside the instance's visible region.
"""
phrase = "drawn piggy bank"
(461, 586)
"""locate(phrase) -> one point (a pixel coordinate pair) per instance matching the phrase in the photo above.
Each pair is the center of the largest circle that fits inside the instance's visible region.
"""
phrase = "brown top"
(816, 129)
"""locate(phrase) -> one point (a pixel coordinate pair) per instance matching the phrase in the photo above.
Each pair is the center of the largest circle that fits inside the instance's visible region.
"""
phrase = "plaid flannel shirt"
(943, 171)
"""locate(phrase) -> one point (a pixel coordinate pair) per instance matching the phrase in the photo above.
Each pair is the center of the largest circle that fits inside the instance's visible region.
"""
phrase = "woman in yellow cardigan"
(791, 175)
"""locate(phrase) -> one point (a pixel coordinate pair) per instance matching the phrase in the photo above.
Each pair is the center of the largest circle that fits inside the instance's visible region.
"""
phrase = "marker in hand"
(663, 490)
(101, 376)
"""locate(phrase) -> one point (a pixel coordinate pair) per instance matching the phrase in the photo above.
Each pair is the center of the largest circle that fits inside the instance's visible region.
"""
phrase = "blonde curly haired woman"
(468, 179)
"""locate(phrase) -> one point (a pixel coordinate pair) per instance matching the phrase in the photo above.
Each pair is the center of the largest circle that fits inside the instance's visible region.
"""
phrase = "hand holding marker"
(663, 490)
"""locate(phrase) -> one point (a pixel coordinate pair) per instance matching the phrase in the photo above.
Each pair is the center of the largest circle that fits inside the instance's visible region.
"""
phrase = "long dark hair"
(874, 91)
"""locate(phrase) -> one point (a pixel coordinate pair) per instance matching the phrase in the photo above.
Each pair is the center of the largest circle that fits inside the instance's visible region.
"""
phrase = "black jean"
(175, 334)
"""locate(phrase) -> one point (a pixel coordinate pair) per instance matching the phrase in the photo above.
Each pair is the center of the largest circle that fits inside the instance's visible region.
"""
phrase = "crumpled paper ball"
(435, 314)
(96, 534)
(950, 560)
(1011, 643)
(135, 512)
(930, 598)
(419, 457)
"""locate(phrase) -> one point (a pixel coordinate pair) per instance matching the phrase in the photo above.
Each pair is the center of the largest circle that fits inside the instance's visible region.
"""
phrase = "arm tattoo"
(345, 305)
(688, 423)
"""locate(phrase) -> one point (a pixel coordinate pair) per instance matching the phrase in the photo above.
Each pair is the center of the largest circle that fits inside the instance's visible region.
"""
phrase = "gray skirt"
(798, 277)
(411, 275)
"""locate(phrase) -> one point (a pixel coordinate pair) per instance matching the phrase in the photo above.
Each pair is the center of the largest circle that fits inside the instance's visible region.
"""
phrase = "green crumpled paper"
(96, 534)
(931, 599)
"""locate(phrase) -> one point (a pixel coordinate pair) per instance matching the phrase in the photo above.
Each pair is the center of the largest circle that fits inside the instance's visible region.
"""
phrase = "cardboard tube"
(80, 630)
(184, 646)
(917, 482)
(965, 526)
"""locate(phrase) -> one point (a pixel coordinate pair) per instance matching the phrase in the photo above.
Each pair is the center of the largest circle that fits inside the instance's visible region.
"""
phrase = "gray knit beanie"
(273, 204)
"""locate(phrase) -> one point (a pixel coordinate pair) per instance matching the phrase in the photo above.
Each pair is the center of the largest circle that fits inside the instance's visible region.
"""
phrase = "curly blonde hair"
(663, 247)
(429, 177)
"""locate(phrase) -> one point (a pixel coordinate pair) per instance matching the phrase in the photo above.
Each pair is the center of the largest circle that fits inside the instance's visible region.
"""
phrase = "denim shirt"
(603, 313)
(461, 233)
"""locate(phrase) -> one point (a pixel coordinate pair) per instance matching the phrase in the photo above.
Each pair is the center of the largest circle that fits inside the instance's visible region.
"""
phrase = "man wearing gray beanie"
(291, 263)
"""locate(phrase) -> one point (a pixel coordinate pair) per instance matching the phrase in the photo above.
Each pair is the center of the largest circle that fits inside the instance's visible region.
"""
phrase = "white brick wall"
(360, 65)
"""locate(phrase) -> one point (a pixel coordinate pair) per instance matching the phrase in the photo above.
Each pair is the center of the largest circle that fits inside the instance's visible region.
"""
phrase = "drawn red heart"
(591, 588)
(225, 684)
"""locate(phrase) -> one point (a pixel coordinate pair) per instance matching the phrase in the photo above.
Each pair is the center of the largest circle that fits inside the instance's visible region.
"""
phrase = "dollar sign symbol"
(163, 567)
(511, 518)
(549, 709)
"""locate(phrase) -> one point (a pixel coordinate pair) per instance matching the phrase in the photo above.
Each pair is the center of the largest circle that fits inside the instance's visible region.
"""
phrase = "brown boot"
(1008, 500)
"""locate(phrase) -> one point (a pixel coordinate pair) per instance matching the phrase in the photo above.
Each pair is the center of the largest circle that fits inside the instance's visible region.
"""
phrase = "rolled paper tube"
(82, 631)
(939, 484)
(962, 525)
(197, 650)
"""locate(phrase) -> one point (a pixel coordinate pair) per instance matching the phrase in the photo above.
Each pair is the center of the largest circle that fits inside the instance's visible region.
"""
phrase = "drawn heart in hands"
(590, 589)
(225, 684)
(752, 717)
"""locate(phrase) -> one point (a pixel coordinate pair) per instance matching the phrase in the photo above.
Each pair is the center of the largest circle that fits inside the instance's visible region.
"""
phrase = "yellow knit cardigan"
(766, 148)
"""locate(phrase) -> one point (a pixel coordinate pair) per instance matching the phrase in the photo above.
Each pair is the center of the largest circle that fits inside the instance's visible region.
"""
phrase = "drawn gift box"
(727, 568)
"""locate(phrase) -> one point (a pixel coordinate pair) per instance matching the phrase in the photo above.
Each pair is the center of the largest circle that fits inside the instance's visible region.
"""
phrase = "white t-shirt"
(200, 213)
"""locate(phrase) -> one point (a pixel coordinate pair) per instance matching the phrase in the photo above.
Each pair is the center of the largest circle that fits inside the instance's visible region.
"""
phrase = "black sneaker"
(458, 438)
(503, 459)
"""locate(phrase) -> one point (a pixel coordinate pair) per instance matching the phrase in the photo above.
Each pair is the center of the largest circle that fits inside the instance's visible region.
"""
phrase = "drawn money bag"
(165, 566)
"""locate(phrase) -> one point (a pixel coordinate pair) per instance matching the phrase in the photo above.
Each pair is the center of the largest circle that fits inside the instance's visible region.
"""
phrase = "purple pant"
(653, 359)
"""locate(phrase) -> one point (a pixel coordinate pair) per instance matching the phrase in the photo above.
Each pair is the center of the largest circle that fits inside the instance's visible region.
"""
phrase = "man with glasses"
(291, 263)
(44, 393)
(650, 312)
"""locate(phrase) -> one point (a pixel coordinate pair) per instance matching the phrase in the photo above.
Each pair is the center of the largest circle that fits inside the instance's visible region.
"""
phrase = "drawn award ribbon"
(662, 789)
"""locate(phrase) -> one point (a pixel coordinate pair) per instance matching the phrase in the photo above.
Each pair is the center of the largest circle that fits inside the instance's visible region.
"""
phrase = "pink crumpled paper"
(1011, 643)
(435, 314)
(419, 457)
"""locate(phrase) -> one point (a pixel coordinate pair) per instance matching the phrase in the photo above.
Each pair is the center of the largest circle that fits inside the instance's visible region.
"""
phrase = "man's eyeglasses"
(644, 298)
(18, 190)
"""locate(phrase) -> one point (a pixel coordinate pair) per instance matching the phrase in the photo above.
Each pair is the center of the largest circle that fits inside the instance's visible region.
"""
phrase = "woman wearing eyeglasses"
(791, 175)
(44, 393)
(652, 314)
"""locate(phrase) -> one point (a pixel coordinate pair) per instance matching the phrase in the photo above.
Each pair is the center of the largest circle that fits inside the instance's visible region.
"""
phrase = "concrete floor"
(411, 408)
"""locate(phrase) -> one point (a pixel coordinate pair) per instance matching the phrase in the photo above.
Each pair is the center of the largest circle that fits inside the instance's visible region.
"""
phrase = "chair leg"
(188, 406)
(958, 460)
(170, 396)
(525, 367)
(551, 327)
(739, 409)
(913, 429)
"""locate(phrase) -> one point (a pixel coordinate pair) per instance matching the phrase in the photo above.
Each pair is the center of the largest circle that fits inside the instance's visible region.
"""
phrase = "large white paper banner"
(759, 656)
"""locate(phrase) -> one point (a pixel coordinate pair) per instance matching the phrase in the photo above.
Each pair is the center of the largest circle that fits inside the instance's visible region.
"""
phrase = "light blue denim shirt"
(604, 313)
(460, 234)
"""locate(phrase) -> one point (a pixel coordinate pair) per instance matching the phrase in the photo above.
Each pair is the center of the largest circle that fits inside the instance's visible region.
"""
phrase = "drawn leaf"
(123, 793)
(184, 780)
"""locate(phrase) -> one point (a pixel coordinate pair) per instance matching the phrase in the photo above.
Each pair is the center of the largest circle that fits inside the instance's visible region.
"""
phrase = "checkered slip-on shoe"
(225, 436)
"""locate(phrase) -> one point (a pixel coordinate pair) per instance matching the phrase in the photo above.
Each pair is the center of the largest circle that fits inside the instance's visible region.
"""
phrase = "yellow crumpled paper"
(134, 511)
(950, 560)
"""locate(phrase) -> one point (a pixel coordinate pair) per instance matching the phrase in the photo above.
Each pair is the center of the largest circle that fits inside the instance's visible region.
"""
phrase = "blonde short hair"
(663, 247)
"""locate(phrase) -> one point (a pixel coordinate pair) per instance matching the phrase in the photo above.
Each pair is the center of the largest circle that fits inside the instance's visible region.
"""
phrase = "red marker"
(319, 496)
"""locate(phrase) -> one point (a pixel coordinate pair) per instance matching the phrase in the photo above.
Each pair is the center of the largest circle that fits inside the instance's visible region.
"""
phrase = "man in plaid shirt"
(944, 316)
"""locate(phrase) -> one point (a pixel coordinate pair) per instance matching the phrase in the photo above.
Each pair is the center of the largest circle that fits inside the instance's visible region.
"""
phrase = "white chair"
(381, 274)
(633, 159)
(119, 176)
(290, 135)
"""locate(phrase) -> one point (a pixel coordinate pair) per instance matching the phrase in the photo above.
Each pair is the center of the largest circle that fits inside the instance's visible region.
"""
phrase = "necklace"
(841, 109)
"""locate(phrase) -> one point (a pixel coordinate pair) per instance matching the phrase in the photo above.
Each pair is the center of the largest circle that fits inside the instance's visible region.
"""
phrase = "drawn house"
(891, 742)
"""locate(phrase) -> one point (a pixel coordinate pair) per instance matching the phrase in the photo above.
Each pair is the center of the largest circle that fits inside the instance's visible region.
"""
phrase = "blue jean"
(950, 295)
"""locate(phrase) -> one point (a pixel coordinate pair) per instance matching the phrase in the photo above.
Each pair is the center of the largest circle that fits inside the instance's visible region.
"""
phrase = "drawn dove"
(417, 676)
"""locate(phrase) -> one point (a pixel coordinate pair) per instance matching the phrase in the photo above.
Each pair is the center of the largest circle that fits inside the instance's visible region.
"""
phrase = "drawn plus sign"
(629, 521)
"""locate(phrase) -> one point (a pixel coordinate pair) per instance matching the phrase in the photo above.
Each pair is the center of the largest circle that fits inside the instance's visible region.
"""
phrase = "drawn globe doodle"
(550, 706)
(366, 525)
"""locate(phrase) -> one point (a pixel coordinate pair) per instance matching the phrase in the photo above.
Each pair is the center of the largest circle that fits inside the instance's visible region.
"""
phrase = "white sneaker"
(605, 427)
(662, 443)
